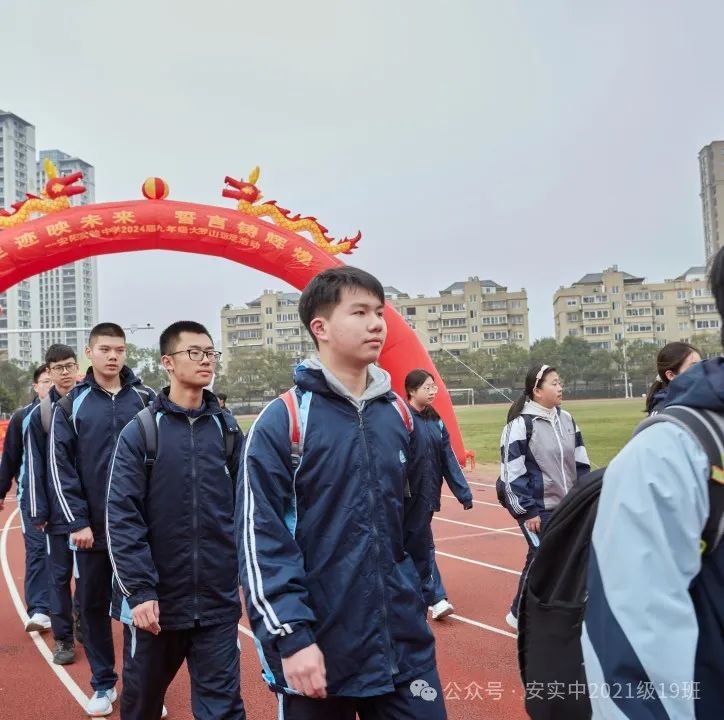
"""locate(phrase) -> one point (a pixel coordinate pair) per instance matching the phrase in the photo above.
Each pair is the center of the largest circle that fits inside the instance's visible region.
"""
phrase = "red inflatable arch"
(66, 234)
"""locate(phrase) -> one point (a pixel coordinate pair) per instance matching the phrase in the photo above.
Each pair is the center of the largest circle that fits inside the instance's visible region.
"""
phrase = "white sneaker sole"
(103, 713)
(36, 627)
(100, 713)
(443, 613)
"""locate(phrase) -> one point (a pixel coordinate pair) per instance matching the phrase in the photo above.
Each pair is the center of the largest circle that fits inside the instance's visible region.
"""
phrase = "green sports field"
(605, 424)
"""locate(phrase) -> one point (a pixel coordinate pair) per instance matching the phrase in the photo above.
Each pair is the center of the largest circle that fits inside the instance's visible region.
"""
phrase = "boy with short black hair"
(334, 600)
(44, 510)
(15, 465)
(170, 525)
(80, 447)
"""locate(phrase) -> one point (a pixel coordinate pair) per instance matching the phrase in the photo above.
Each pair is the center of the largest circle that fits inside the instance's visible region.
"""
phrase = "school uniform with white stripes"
(542, 455)
(170, 532)
(322, 551)
(80, 447)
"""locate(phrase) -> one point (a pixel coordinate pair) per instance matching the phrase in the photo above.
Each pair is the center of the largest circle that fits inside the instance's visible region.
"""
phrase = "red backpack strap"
(290, 400)
(404, 411)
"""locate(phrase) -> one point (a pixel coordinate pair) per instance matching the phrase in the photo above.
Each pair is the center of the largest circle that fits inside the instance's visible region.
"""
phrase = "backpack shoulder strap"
(404, 412)
(149, 432)
(143, 391)
(46, 411)
(67, 404)
(229, 441)
(528, 420)
(296, 439)
(707, 427)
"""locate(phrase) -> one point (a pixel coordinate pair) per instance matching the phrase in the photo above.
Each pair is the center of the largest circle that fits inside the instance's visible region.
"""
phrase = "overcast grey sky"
(526, 142)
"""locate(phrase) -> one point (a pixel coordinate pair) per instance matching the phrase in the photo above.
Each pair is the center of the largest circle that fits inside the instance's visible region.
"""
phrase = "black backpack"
(149, 431)
(553, 600)
(46, 407)
(499, 484)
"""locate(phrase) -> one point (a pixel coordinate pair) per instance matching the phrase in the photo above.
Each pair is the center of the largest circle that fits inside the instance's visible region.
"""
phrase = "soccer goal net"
(462, 396)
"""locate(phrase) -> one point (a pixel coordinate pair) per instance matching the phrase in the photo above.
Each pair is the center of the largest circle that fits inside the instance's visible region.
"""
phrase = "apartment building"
(612, 306)
(469, 315)
(270, 322)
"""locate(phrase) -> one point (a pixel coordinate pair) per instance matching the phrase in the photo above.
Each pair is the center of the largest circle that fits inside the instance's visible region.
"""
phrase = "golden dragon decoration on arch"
(53, 198)
(247, 193)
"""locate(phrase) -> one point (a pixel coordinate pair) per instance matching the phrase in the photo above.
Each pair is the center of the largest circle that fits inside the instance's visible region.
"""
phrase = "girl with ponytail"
(672, 360)
(541, 457)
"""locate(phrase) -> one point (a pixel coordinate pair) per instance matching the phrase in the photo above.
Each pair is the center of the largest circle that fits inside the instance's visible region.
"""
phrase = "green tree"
(16, 384)
(600, 369)
(546, 351)
(709, 344)
(511, 363)
(575, 357)
(146, 363)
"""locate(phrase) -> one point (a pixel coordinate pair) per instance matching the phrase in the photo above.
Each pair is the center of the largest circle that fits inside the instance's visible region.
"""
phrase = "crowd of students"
(155, 508)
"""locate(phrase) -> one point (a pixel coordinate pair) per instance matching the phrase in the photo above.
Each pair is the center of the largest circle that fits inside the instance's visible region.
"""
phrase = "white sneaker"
(164, 712)
(38, 623)
(512, 620)
(442, 609)
(101, 703)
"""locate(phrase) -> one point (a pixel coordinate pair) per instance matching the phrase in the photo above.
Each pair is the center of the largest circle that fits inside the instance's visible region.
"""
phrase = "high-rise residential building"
(270, 322)
(19, 305)
(68, 295)
(466, 316)
(612, 306)
(711, 170)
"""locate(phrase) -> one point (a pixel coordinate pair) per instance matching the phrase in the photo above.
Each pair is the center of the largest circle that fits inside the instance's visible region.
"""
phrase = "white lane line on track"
(246, 631)
(487, 485)
(464, 537)
(59, 670)
(504, 531)
(478, 502)
(478, 562)
(489, 628)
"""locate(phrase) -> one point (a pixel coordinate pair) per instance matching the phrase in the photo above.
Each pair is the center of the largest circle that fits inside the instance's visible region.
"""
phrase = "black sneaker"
(64, 653)
(77, 630)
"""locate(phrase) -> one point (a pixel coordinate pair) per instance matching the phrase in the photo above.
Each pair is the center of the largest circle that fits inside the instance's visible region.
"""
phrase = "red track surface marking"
(477, 664)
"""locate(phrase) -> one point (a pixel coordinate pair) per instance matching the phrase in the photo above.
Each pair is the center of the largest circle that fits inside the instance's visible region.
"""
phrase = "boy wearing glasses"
(14, 465)
(80, 446)
(43, 511)
(170, 525)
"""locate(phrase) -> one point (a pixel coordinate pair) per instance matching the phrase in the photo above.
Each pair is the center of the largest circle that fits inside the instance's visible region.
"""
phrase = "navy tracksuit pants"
(36, 566)
(93, 586)
(150, 663)
(532, 552)
(60, 573)
(420, 699)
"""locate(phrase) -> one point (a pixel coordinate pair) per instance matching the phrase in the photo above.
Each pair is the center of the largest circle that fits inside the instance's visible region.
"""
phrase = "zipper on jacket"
(195, 520)
(560, 447)
(376, 535)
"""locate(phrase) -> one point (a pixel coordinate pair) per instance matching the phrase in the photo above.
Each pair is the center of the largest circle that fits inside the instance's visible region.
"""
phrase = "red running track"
(480, 554)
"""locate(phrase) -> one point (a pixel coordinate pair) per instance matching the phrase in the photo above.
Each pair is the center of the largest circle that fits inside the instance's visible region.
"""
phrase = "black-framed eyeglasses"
(198, 355)
(60, 369)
